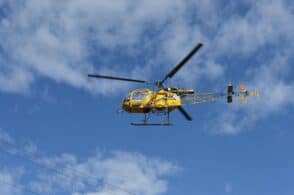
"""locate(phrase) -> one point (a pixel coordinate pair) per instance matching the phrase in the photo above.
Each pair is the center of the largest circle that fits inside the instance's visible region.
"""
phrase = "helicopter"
(164, 100)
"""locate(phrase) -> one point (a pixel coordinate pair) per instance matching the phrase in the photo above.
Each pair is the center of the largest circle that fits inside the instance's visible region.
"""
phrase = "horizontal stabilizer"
(230, 89)
(229, 99)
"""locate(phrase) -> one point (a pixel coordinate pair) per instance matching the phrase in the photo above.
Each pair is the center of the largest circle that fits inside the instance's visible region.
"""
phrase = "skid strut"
(146, 123)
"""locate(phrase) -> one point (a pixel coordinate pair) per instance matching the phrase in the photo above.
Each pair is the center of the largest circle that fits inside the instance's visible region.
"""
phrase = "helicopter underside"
(154, 110)
(162, 111)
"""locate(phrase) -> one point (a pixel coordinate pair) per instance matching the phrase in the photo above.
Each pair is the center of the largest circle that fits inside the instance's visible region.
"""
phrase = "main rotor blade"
(183, 62)
(184, 113)
(117, 78)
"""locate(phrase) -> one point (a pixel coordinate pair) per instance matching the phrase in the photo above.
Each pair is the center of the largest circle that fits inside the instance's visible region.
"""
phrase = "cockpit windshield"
(138, 95)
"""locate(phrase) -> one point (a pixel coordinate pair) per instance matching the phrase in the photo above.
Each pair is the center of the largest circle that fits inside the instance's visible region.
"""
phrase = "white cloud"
(9, 184)
(50, 38)
(4, 137)
(267, 23)
(15, 79)
(113, 173)
(6, 184)
(54, 39)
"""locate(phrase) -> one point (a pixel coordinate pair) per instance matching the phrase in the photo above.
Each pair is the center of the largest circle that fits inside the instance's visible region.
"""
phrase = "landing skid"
(146, 123)
(151, 124)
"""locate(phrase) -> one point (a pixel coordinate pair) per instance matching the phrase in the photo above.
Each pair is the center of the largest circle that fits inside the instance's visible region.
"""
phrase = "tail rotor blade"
(243, 88)
(184, 113)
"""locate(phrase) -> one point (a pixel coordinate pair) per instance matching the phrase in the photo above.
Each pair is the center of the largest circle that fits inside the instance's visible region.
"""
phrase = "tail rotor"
(243, 93)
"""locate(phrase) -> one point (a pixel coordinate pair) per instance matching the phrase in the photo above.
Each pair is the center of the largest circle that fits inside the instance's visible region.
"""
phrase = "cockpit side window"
(139, 95)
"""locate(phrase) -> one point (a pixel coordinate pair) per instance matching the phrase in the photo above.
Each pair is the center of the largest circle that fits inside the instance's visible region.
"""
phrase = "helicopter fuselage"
(146, 100)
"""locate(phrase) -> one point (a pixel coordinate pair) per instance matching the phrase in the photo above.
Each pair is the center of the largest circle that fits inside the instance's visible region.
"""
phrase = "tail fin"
(229, 99)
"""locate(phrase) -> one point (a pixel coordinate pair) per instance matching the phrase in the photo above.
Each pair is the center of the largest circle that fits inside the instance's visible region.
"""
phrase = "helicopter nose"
(126, 105)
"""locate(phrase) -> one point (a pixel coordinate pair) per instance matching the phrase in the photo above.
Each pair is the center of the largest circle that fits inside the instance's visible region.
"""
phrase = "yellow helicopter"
(166, 100)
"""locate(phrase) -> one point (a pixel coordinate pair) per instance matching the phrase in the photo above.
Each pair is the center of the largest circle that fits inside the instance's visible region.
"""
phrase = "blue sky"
(53, 117)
